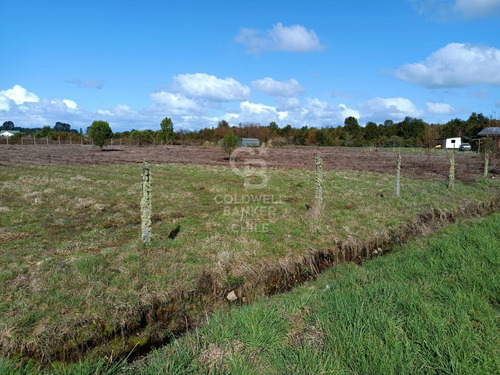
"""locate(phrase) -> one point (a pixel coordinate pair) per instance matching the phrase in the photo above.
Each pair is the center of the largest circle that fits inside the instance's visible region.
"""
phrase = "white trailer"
(452, 143)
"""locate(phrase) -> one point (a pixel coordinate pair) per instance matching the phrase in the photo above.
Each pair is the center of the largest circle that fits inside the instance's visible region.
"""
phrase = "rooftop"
(489, 131)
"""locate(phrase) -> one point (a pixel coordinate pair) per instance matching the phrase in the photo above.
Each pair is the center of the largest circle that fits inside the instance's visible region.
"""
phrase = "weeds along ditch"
(76, 278)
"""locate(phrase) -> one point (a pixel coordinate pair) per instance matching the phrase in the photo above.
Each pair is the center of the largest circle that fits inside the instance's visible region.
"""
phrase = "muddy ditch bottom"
(163, 321)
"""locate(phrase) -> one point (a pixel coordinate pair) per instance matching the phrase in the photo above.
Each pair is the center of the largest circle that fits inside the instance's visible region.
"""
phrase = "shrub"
(229, 143)
(100, 132)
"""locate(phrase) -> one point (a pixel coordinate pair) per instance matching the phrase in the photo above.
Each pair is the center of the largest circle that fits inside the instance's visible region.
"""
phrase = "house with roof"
(491, 132)
(8, 133)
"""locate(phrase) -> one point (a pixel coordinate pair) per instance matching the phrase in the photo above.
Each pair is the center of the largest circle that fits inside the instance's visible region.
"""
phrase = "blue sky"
(302, 63)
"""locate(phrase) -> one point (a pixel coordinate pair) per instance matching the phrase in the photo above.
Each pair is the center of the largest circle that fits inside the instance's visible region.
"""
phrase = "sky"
(303, 63)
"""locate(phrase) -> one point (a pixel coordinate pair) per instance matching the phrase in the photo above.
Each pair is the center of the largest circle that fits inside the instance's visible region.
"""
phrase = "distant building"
(8, 133)
(452, 143)
(248, 142)
(493, 132)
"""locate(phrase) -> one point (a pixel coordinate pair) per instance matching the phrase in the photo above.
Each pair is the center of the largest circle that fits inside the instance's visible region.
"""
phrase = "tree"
(229, 143)
(99, 132)
(62, 127)
(371, 131)
(45, 132)
(223, 124)
(8, 125)
(141, 138)
(167, 128)
(274, 129)
(351, 124)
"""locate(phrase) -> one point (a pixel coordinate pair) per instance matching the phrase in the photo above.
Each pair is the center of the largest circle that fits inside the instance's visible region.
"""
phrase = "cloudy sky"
(302, 63)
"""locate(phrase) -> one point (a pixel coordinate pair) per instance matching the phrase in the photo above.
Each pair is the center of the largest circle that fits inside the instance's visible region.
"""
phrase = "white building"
(452, 143)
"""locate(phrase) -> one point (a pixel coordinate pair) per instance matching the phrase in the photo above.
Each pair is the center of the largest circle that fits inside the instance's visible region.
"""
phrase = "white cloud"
(379, 109)
(120, 110)
(176, 104)
(70, 104)
(285, 104)
(278, 88)
(19, 95)
(348, 112)
(291, 111)
(478, 8)
(261, 111)
(455, 65)
(452, 9)
(4, 103)
(295, 38)
(439, 108)
(319, 113)
(202, 85)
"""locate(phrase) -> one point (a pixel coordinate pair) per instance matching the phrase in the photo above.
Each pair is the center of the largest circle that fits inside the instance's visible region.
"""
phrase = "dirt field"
(421, 165)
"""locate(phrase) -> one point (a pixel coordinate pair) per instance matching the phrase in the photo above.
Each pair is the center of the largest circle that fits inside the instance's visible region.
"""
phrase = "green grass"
(72, 267)
(432, 306)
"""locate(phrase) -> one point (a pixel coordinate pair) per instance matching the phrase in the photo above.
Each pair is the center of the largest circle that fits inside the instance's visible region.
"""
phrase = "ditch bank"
(160, 321)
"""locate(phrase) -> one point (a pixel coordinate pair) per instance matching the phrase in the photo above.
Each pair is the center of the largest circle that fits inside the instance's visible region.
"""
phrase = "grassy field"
(73, 272)
(431, 306)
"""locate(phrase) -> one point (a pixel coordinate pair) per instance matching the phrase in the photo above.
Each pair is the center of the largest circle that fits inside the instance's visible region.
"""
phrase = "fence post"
(146, 203)
(7, 140)
(81, 140)
(486, 164)
(318, 193)
(47, 139)
(34, 140)
(451, 178)
(398, 173)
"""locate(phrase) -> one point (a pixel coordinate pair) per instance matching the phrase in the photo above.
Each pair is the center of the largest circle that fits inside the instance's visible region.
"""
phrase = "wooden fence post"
(398, 173)
(59, 139)
(34, 140)
(146, 204)
(47, 139)
(7, 140)
(318, 191)
(451, 178)
(22, 141)
(486, 164)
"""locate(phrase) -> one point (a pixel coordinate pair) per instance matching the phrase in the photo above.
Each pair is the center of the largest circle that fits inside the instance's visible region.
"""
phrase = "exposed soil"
(421, 165)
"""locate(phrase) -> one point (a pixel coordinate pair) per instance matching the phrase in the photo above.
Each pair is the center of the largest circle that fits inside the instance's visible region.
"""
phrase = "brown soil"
(421, 165)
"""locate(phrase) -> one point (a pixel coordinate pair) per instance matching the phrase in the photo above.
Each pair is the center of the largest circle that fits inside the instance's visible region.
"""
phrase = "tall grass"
(431, 307)
(73, 268)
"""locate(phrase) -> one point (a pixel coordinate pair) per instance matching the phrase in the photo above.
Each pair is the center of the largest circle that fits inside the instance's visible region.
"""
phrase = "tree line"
(410, 132)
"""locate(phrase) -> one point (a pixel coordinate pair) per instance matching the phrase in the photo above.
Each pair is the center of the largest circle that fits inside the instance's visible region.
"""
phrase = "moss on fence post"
(486, 164)
(318, 193)
(146, 204)
(451, 177)
(398, 173)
